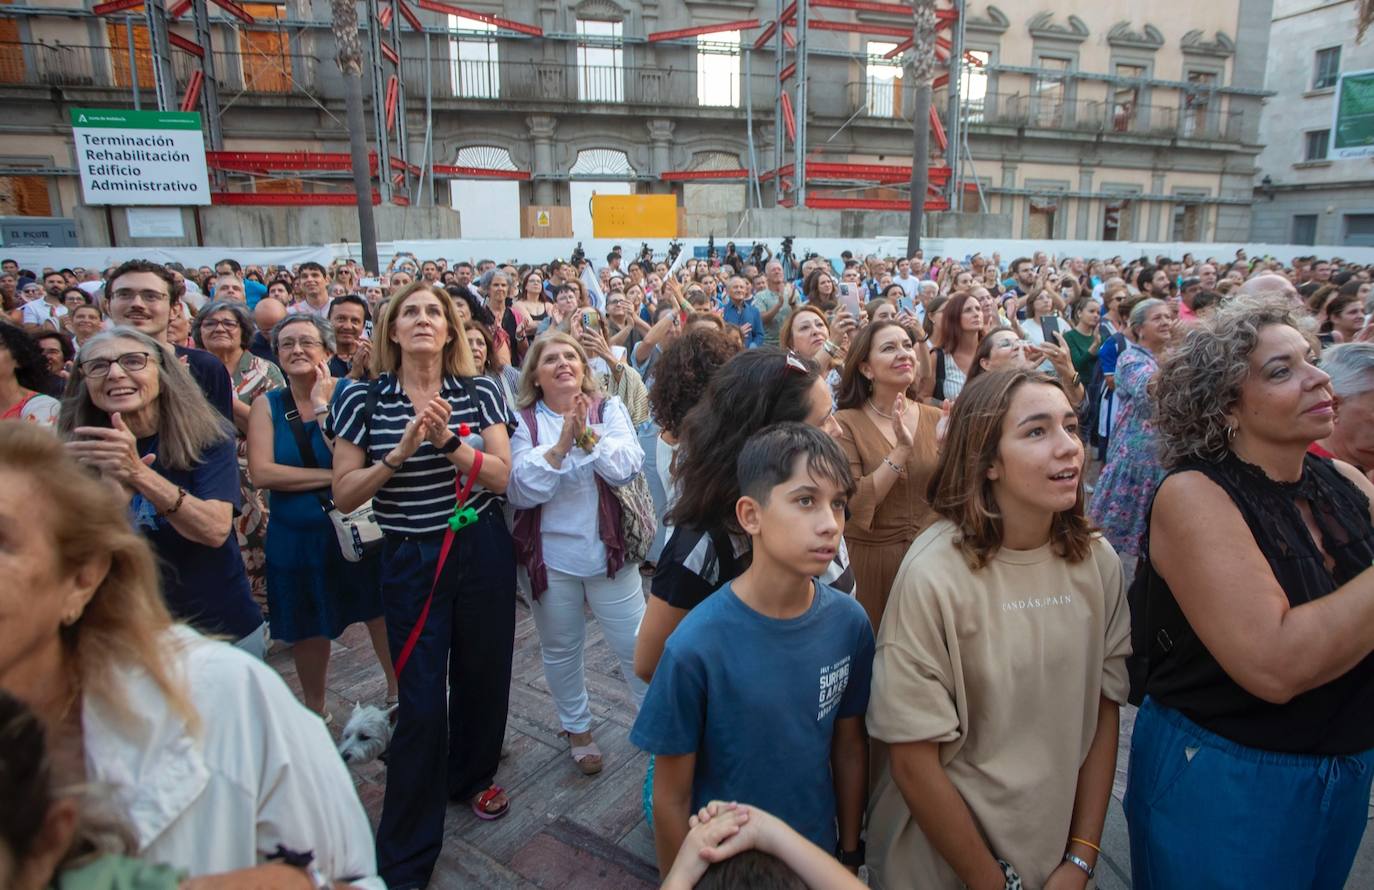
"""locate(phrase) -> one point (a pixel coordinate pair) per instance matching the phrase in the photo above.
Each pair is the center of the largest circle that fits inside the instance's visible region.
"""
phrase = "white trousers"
(618, 604)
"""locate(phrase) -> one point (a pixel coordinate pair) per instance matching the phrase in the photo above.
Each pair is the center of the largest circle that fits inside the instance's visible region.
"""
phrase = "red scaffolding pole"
(680, 33)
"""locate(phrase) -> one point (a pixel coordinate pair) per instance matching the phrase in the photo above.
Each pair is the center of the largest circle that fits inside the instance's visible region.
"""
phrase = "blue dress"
(1121, 500)
(312, 591)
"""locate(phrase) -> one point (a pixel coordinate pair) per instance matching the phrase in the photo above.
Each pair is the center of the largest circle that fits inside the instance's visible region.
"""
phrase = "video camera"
(579, 256)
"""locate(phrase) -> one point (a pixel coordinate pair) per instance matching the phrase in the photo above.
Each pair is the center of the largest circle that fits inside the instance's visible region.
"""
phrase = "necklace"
(878, 411)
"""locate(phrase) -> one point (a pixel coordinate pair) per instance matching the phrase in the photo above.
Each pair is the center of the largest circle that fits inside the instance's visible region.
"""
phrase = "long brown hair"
(960, 489)
(855, 388)
(125, 624)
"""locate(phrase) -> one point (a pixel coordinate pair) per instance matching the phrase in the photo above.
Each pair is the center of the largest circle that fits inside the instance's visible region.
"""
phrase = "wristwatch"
(851, 858)
(452, 445)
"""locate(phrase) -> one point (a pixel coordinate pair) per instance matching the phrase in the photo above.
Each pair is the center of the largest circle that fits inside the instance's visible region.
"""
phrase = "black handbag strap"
(307, 451)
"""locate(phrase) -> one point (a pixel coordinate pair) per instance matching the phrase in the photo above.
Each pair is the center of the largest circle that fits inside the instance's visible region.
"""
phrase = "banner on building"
(1352, 131)
(140, 157)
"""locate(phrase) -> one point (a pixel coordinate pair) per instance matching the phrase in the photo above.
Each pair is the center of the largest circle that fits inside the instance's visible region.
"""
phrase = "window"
(1040, 225)
(975, 85)
(1117, 217)
(474, 60)
(718, 77)
(1126, 97)
(1050, 92)
(1314, 145)
(1187, 224)
(266, 58)
(1328, 68)
(1305, 228)
(882, 81)
(600, 62)
(25, 195)
(1197, 102)
(1359, 230)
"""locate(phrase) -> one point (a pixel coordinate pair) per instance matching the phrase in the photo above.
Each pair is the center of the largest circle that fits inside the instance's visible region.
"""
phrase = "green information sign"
(1352, 131)
(124, 119)
(140, 158)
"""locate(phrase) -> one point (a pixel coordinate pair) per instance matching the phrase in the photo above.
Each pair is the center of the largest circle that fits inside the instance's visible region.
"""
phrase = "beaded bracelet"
(181, 496)
(899, 470)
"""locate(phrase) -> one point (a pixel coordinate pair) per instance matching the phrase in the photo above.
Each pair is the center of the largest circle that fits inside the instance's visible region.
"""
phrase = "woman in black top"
(1254, 623)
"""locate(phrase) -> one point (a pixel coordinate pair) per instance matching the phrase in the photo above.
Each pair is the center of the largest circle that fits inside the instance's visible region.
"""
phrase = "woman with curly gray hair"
(1132, 469)
(1254, 622)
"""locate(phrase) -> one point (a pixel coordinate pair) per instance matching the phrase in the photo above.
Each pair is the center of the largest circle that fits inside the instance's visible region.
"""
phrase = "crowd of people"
(915, 529)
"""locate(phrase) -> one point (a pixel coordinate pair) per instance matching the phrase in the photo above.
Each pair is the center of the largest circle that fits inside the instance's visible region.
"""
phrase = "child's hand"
(715, 824)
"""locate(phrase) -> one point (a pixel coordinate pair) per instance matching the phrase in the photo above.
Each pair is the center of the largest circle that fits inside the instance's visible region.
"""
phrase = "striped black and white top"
(418, 499)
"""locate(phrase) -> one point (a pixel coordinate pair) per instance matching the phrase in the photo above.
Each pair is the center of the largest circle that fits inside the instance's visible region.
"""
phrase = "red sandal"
(481, 804)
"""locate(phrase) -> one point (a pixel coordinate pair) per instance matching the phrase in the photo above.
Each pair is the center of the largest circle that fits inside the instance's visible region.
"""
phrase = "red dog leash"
(462, 490)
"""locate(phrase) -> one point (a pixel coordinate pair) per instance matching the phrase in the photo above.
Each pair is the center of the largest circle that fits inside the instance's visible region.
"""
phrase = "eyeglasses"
(227, 323)
(150, 297)
(285, 346)
(129, 361)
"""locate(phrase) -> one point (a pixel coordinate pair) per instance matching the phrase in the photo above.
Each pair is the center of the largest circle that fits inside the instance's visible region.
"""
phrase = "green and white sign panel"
(1352, 131)
(140, 157)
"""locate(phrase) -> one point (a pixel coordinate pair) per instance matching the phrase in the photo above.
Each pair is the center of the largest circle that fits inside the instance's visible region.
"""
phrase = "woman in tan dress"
(891, 441)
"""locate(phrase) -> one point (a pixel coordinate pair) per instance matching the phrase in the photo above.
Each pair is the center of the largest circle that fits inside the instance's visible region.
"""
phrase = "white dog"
(367, 734)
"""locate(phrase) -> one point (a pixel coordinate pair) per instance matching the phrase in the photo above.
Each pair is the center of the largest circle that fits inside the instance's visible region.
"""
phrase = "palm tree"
(350, 58)
(922, 67)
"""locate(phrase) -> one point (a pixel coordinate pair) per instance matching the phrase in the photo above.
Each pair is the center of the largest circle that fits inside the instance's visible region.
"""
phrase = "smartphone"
(591, 319)
(367, 329)
(849, 296)
(370, 282)
(904, 304)
(1049, 326)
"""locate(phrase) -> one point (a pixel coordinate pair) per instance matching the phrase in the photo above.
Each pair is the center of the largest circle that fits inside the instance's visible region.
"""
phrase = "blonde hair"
(386, 355)
(529, 392)
(126, 622)
(186, 423)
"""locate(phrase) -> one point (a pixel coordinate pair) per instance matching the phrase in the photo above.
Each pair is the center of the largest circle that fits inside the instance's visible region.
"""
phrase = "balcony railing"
(63, 65)
(540, 81)
(1197, 121)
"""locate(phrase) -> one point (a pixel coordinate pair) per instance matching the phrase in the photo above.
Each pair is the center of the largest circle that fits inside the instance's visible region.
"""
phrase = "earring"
(71, 618)
(1230, 434)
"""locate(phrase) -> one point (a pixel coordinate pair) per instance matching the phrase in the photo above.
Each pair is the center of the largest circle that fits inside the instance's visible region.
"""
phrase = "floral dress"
(254, 377)
(1121, 500)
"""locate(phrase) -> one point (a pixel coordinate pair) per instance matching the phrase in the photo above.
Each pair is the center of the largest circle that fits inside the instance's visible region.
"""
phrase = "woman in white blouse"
(571, 449)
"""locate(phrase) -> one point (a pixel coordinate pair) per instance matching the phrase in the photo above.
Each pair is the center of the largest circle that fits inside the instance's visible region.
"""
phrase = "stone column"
(1011, 203)
(542, 128)
(660, 153)
(1085, 204)
(1157, 209)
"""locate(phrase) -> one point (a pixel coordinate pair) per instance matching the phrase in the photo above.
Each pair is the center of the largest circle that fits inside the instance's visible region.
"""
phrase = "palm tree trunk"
(350, 58)
(922, 67)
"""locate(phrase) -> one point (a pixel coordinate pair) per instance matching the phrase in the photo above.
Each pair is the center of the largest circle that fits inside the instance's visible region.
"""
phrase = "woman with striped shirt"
(411, 440)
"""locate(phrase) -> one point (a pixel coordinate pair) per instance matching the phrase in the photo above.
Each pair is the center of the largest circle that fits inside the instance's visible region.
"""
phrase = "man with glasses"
(143, 295)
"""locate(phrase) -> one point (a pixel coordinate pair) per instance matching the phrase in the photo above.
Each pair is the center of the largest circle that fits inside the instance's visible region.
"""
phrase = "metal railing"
(64, 65)
(535, 81)
(1110, 116)
(1202, 120)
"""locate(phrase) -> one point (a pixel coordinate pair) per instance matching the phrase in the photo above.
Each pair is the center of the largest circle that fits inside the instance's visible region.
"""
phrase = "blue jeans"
(1204, 812)
(648, 440)
(445, 746)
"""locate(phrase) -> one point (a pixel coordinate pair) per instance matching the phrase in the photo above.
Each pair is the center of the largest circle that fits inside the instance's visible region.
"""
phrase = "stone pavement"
(572, 832)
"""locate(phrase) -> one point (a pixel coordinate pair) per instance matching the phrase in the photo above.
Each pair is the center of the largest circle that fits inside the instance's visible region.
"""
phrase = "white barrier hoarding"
(140, 157)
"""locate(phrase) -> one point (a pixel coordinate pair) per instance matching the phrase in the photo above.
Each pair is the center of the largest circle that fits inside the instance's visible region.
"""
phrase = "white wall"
(490, 208)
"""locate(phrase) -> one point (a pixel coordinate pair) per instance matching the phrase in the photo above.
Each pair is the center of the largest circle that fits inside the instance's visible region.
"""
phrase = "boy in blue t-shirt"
(761, 692)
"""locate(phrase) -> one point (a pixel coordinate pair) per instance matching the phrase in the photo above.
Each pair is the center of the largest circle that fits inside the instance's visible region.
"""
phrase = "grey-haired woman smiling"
(133, 414)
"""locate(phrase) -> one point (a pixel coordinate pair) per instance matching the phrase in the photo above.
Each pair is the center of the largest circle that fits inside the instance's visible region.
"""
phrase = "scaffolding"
(798, 175)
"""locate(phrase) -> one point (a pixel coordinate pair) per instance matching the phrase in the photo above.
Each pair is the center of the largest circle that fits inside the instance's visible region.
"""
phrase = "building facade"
(1111, 122)
(1302, 196)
